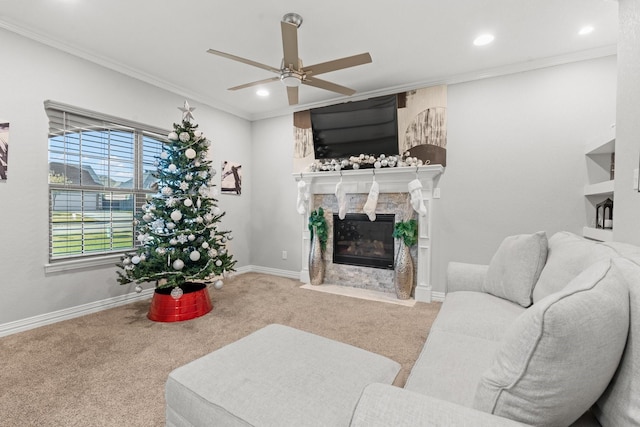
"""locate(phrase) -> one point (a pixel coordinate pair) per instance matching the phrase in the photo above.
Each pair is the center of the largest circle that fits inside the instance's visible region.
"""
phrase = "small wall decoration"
(4, 149)
(231, 178)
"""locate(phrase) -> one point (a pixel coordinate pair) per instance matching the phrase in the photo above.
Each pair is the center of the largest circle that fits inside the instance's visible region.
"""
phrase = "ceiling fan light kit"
(291, 72)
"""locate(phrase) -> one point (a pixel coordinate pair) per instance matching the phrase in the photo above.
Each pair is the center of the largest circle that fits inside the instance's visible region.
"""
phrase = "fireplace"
(359, 241)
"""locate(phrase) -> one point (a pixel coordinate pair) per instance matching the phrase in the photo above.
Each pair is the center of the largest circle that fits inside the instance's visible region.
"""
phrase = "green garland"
(407, 231)
(316, 219)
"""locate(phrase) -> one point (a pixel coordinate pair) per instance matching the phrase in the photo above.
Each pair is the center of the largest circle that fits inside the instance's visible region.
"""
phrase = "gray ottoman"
(276, 376)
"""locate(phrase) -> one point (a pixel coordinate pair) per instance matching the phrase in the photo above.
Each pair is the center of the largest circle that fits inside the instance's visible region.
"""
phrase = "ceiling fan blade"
(338, 64)
(290, 45)
(292, 94)
(244, 60)
(323, 84)
(259, 82)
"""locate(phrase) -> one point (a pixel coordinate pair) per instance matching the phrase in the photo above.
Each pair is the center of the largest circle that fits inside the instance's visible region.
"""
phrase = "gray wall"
(627, 201)
(32, 73)
(515, 165)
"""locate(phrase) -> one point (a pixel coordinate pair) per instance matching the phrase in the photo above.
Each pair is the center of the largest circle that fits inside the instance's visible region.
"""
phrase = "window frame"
(138, 131)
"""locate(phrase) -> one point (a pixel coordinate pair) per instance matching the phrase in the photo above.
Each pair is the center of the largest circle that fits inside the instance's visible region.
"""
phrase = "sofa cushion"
(462, 342)
(561, 354)
(516, 266)
(568, 256)
(619, 404)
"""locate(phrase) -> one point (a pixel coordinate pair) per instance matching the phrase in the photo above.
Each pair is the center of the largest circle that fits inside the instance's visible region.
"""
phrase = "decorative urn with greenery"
(180, 247)
(318, 229)
(407, 233)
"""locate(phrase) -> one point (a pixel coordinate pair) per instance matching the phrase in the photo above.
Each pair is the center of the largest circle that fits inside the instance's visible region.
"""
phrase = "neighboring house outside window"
(100, 171)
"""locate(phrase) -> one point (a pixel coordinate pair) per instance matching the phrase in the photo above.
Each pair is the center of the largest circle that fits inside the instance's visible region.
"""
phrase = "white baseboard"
(92, 307)
(72, 312)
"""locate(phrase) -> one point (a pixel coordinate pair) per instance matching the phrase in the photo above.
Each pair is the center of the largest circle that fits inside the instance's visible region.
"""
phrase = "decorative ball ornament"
(191, 237)
(216, 210)
(135, 259)
(218, 284)
(138, 289)
(190, 153)
(194, 256)
(170, 226)
(356, 166)
(188, 202)
(213, 172)
(178, 264)
(172, 167)
(164, 155)
(205, 245)
(172, 136)
(147, 217)
(176, 215)
(173, 242)
(167, 191)
(199, 219)
(176, 293)
(377, 165)
(218, 263)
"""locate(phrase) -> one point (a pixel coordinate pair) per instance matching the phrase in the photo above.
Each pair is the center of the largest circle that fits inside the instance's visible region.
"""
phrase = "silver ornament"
(176, 293)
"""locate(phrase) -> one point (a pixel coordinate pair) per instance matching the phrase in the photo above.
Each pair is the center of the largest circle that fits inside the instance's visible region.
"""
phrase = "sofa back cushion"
(516, 266)
(620, 403)
(568, 256)
(560, 354)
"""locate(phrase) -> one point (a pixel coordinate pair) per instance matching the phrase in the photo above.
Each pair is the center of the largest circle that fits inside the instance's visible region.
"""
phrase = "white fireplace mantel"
(390, 180)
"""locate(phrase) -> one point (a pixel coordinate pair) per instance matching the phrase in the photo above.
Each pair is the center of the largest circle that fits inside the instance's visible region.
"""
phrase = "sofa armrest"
(465, 277)
(385, 405)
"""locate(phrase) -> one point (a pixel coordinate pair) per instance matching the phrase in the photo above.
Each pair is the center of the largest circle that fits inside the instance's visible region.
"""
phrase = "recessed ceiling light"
(585, 30)
(262, 92)
(483, 39)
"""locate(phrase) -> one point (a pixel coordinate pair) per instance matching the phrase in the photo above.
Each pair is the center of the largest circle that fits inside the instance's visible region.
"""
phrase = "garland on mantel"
(364, 161)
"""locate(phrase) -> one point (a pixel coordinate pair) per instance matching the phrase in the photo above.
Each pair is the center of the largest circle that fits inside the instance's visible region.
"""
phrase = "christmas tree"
(177, 228)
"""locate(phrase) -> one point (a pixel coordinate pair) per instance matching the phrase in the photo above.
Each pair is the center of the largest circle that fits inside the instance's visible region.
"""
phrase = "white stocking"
(372, 201)
(342, 200)
(415, 189)
(303, 196)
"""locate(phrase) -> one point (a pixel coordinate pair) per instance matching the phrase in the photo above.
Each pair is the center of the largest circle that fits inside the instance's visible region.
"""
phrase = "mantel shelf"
(359, 180)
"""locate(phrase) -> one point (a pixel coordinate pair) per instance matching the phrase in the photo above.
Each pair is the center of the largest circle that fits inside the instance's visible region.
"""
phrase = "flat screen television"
(369, 126)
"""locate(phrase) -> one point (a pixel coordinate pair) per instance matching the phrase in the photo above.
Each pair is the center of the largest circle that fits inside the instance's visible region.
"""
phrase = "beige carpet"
(109, 368)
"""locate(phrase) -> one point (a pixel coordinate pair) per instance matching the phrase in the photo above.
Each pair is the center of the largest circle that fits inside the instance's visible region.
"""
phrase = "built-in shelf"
(600, 154)
(599, 234)
(600, 188)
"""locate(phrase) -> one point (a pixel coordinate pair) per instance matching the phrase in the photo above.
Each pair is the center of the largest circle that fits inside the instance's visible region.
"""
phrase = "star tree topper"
(186, 111)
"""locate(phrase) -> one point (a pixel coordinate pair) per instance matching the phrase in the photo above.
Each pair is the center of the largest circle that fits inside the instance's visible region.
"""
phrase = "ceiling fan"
(291, 72)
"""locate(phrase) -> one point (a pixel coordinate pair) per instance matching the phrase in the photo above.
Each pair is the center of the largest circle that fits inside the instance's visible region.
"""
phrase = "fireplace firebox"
(359, 241)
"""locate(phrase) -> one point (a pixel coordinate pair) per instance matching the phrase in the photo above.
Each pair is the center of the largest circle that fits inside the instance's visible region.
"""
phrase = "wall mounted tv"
(369, 126)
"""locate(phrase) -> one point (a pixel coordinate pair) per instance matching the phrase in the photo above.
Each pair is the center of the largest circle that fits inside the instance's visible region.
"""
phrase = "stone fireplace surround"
(394, 199)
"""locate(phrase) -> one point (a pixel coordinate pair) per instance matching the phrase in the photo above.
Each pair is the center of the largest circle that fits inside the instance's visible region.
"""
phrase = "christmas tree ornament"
(188, 177)
(173, 242)
(186, 112)
(213, 253)
(166, 191)
(184, 136)
(205, 245)
(135, 259)
(218, 284)
(172, 136)
(218, 263)
(126, 261)
(199, 219)
(216, 211)
(171, 226)
(184, 186)
(176, 293)
(198, 203)
(198, 134)
(213, 172)
(194, 256)
(138, 289)
(147, 217)
(188, 202)
(182, 239)
(190, 153)
(176, 215)
(164, 155)
(229, 237)
(172, 167)
(178, 264)
(143, 257)
(191, 237)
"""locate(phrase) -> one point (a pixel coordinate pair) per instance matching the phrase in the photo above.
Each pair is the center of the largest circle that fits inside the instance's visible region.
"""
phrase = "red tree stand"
(194, 302)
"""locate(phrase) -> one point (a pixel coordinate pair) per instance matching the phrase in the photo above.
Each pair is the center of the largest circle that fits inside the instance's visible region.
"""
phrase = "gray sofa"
(547, 334)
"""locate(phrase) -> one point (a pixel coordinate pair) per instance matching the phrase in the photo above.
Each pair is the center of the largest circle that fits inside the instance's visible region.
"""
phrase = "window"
(100, 172)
